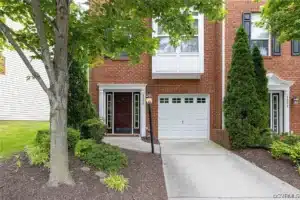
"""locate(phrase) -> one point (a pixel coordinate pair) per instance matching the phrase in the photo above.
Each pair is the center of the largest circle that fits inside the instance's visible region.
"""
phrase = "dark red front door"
(123, 112)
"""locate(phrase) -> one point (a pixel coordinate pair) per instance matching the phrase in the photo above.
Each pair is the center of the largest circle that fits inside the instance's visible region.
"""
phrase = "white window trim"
(277, 84)
(136, 113)
(111, 114)
(269, 38)
(103, 88)
(178, 52)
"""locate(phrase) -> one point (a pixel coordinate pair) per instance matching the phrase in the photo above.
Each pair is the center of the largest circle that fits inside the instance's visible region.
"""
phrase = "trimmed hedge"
(39, 152)
(83, 147)
(73, 137)
(102, 156)
(93, 128)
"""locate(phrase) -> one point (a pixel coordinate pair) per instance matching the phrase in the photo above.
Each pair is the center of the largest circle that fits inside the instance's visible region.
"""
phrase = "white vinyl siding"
(22, 99)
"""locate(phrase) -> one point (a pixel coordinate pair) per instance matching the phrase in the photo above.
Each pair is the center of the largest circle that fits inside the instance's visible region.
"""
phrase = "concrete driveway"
(204, 170)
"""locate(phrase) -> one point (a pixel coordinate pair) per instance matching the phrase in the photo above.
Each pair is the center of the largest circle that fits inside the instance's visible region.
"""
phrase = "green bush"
(102, 156)
(37, 155)
(93, 128)
(40, 135)
(73, 138)
(261, 87)
(291, 139)
(43, 138)
(295, 153)
(242, 108)
(80, 106)
(279, 149)
(116, 182)
(83, 147)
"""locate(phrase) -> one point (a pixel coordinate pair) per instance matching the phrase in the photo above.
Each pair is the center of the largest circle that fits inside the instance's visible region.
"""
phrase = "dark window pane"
(276, 49)
(295, 47)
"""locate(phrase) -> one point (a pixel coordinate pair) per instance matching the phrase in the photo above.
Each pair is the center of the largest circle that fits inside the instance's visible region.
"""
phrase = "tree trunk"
(59, 166)
(59, 86)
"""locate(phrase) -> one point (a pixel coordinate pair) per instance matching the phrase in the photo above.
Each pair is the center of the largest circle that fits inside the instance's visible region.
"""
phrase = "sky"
(82, 3)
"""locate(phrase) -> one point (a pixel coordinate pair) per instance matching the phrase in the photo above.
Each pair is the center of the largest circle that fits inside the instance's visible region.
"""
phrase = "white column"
(286, 110)
(143, 114)
(101, 104)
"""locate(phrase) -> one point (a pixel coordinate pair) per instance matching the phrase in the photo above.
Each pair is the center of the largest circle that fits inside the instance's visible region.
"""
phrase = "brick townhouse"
(187, 83)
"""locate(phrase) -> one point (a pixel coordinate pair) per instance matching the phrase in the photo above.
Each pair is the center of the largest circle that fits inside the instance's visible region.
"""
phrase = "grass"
(15, 135)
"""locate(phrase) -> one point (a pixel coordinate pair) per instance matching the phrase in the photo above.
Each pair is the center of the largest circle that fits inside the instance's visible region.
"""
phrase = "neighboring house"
(188, 83)
(21, 99)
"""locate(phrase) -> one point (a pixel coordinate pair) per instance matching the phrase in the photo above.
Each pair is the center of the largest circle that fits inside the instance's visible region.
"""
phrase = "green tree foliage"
(54, 29)
(261, 86)
(241, 104)
(283, 17)
(80, 106)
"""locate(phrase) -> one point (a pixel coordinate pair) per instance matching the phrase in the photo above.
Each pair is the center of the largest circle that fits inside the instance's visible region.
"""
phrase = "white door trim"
(277, 84)
(103, 88)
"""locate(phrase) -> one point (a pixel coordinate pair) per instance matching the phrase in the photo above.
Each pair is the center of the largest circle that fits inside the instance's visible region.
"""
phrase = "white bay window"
(184, 61)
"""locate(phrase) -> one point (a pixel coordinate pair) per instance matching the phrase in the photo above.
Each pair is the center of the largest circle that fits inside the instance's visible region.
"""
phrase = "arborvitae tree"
(241, 104)
(80, 106)
(262, 93)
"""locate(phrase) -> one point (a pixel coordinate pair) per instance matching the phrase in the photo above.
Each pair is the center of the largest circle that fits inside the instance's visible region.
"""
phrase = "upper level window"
(295, 47)
(190, 46)
(2, 64)
(259, 35)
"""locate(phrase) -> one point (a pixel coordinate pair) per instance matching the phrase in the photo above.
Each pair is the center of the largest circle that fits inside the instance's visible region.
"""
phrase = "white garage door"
(183, 116)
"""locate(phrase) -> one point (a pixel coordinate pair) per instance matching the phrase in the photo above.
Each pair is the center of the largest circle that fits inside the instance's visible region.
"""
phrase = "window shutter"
(247, 24)
(295, 47)
(276, 47)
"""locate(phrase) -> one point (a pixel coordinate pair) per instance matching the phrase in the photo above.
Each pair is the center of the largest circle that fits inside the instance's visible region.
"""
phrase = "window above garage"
(186, 61)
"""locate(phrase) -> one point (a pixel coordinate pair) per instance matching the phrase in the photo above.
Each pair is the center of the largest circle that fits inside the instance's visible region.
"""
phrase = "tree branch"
(33, 50)
(36, 75)
(38, 19)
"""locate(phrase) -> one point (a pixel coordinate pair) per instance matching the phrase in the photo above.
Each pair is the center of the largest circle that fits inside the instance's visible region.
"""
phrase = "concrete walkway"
(202, 170)
(131, 143)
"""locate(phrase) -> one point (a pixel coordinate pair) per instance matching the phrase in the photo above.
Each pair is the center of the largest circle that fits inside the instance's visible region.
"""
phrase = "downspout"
(223, 64)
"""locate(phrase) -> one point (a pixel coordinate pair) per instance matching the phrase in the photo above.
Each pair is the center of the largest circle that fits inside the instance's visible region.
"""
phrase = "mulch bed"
(283, 169)
(145, 174)
(148, 140)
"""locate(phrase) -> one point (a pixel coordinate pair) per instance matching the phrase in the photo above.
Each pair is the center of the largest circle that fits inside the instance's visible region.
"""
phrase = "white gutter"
(223, 64)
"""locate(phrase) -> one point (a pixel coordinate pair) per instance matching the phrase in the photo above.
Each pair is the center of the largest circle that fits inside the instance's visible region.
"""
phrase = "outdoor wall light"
(295, 100)
(149, 102)
(149, 98)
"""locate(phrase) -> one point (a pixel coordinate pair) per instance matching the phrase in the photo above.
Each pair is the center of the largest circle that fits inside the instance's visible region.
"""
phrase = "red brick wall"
(120, 72)
(285, 66)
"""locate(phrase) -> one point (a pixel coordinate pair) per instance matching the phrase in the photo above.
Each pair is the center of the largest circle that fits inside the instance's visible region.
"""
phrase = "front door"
(123, 112)
(276, 111)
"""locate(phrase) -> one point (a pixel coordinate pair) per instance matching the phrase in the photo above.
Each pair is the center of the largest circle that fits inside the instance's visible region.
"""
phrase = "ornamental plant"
(242, 108)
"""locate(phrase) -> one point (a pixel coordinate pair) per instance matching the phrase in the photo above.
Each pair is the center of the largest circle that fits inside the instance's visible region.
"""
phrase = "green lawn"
(15, 135)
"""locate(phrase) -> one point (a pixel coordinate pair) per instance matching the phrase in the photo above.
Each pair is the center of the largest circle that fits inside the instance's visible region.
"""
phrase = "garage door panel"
(183, 116)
